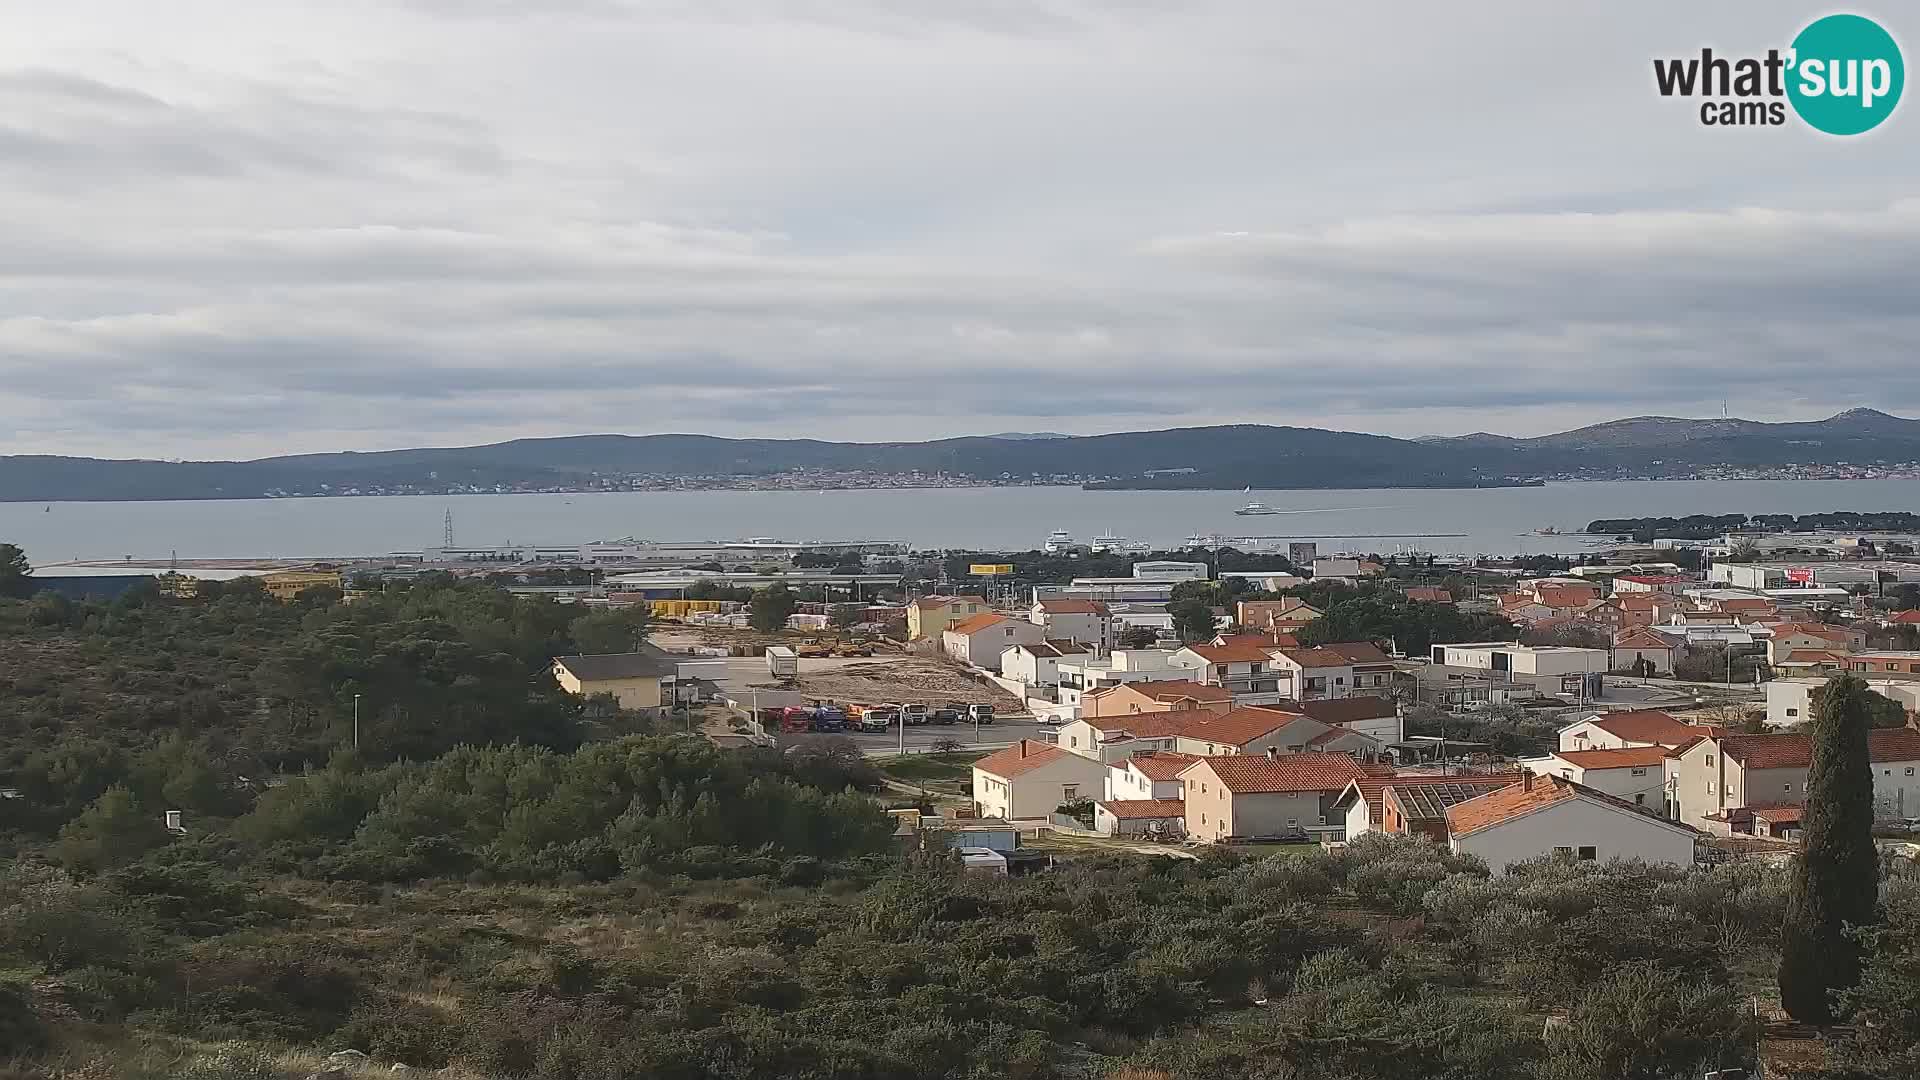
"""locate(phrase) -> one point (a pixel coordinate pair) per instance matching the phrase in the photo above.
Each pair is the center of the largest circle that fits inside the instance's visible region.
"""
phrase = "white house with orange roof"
(1031, 779)
(1637, 727)
(1088, 622)
(1244, 668)
(929, 616)
(1254, 795)
(1641, 651)
(979, 641)
(1151, 774)
(1817, 637)
(1637, 774)
(1553, 816)
(1038, 664)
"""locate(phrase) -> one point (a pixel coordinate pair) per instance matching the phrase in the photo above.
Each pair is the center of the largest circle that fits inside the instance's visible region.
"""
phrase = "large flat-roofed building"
(1551, 669)
(1813, 572)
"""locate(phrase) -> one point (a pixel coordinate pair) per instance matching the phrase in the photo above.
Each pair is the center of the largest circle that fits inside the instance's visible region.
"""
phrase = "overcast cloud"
(244, 227)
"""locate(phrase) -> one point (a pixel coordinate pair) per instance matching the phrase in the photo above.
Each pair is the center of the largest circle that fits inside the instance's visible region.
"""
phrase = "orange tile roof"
(1135, 809)
(1176, 689)
(1815, 656)
(1339, 711)
(1631, 757)
(1517, 800)
(1158, 764)
(1323, 657)
(1565, 596)
(1073, 607)
(1779, 815)
(976, 624)
(1641, 638)
(1636, 601)
(1145, 725)
(1232, 654)
(1646, 726)
(1258, 774)
(1905, 616)
(1793, 751)
(1022, 757)
(1819, 630)
(1421, 594)
(1236, 728)
(1359, 652)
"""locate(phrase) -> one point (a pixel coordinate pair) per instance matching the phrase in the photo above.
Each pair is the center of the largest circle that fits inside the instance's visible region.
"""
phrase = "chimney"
(1273, 753)
(1526, 780)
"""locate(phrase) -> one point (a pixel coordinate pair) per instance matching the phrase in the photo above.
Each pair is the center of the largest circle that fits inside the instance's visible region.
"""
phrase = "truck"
(796, 718)
(875, 718)
(980, 714)
(782, 663)
(915, 714)
(829, 718)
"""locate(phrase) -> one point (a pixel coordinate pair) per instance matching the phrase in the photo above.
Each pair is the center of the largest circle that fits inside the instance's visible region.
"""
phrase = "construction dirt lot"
(890, 676)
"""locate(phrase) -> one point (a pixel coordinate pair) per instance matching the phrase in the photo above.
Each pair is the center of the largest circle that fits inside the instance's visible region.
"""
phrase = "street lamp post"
(356, 721)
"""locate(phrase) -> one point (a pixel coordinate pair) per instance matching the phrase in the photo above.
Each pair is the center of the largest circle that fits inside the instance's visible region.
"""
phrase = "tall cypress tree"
(1836, 881)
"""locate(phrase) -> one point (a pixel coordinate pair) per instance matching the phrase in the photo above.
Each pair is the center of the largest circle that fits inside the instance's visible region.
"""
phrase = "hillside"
(1229, 456)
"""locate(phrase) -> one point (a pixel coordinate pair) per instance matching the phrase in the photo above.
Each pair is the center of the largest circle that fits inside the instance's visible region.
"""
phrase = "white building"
(1067, 619)
(1329, 566)
(1790, 701)
(1079, 677)
(1039, 664)
(1552, 669)
(979, 641)
(1554, 816)
(1781, 575)
(1031, 779)
(1635, 774)
(1169, 570)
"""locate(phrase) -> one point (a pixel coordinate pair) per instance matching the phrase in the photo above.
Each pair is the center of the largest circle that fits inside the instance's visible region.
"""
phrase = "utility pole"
(356, 721)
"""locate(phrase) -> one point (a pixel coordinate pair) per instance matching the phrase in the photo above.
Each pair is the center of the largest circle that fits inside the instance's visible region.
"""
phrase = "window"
(1203, 819)
(1069, 792)
(1789, 787)
(1293, 823)
(1589, 854)
(1909, 770)
(1563, 852)
(1073, 740)
(1709, 761)
(1641, 771)
(1709, 787)
(1640, 799)
(1323, 819)
(1254, 669)
(1793, 712)
(1339, 680)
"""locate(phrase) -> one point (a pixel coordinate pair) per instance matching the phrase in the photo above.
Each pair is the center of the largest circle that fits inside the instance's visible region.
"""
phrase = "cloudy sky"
(242, 227)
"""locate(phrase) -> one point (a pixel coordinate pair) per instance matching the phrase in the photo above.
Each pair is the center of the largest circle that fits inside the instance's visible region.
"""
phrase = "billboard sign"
(1802, 575)
(990, 569)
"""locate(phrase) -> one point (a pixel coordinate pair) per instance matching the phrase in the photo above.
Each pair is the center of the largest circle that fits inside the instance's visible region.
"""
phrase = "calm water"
(1496, 520)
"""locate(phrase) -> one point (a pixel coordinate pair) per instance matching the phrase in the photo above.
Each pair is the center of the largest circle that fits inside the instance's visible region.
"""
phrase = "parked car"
(945, 717)
(980, 714)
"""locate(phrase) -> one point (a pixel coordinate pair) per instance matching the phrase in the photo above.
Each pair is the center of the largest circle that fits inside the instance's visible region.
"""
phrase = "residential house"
(1363, 806)
(979, 641)
(1638, 727)
(1791, 637)
(1031, 779)
(1884, 662)
(1554, 816)
(1088, 622)
(1641, 651)
(1724, 772)
(1373, 670)
(1545, 600)
(1334, 670)
(636, 680)
(1203, 732)
(1254, 795)
(1811, 662)
(1249, 671)
(929, 616)
(1426, 594)
(1269, 639)
(1637, 774)
(1170, 696)
(1081, 677)
(1286, 615)
(1552, 669)
(1165, 818)
(1039, 664)
(1901, 618)
(1150, 774)
(1377, 717)
(1652, 583)
(1790, 701)
(287, 585)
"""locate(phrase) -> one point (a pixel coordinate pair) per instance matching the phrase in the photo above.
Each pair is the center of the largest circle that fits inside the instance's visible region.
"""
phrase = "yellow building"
(931, 616)
(286, 585)
(636, 680)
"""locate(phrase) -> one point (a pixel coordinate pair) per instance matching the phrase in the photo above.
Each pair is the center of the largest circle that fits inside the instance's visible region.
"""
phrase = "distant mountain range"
(1231, 456)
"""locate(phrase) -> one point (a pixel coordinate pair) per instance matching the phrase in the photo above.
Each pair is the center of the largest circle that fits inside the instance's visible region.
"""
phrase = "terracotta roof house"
(1169, 695)
(1421, 594)
(1642, 651)
(1362, 804)
(1374, 716)
(1038, 664)
(929, 616)
(1086, 621)
(1635, 774)
(1639, 727)
(978, 641)
(1141, 817)
(1068, 606)
(1030, 779)
(1728, 771)
(1265, 795)
(1553, 816)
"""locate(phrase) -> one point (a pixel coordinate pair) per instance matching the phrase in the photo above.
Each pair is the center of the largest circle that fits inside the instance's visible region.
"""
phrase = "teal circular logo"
(1846, 74)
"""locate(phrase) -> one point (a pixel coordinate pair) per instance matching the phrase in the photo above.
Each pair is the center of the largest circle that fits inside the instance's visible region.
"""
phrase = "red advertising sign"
(1802, 576)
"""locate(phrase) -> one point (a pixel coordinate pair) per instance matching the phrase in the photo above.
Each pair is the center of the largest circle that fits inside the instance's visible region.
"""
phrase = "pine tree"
(1836, 880)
